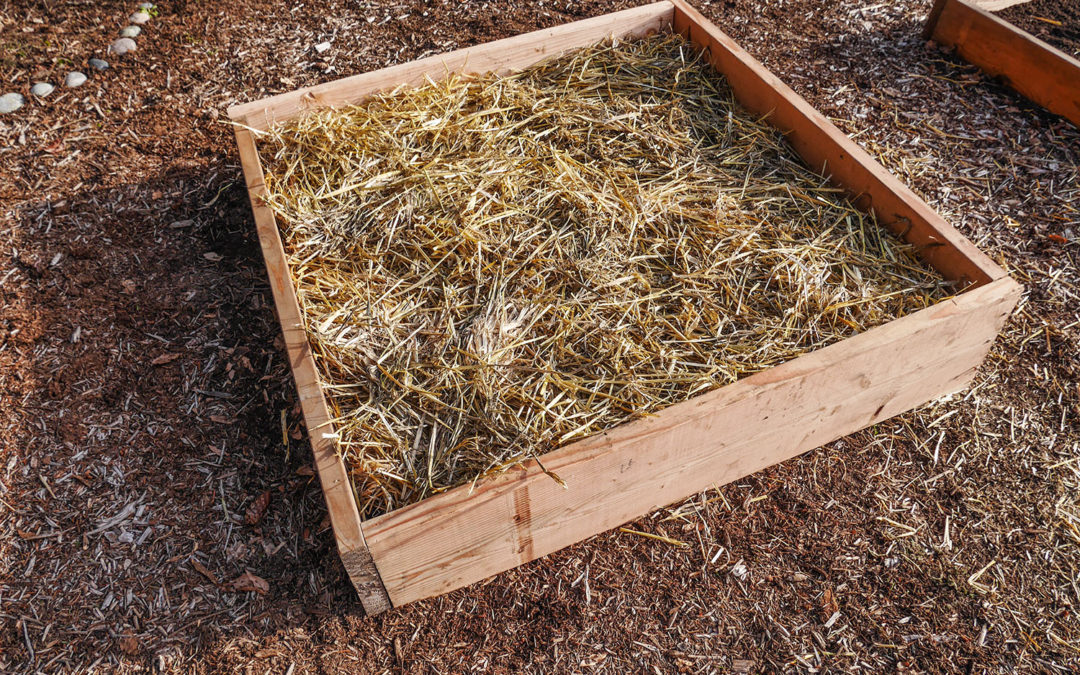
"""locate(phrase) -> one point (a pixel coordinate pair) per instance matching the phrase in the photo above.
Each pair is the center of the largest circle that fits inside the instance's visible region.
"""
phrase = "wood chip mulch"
(158, 510)
(1056, 22)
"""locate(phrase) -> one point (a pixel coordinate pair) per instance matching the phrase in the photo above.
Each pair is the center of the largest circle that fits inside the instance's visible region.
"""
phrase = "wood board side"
(1037, 70)
(463, 536)
(828, 150)
(501, 56)
(932, 18)
(336, 486)
(998, 5)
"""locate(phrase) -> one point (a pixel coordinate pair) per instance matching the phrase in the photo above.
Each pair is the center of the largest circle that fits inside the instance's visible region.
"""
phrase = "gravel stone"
(42, 89)
(11, 102)
(130, 32)
(122, 46)
(74, 79)
(99, 64)
(139, 17)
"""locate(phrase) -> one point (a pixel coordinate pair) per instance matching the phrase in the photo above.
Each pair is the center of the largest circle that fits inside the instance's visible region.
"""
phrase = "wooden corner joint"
(365, 577)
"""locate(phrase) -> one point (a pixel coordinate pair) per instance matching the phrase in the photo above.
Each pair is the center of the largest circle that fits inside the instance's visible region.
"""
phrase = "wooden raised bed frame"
(1039, 71)
(460, 537)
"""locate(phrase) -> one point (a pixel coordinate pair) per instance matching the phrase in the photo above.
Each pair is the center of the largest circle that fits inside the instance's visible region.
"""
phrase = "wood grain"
(828, 150)
(463, 536)
(997, 5)
(1037, 70)
(340, 502)
(500, 56)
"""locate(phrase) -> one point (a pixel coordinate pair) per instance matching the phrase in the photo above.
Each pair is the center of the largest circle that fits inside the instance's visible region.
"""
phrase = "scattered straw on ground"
(491, 268)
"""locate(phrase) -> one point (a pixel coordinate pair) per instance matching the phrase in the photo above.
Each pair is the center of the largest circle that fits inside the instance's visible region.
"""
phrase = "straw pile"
(491, 268)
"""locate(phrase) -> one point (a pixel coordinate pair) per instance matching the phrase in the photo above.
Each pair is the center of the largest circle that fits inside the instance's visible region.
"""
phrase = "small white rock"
(147, 6)
(99, 64)
(74, 79)
(139, 17)
(122, 46)
(11, 102)
(130, 31)
(42, 89)
(322, 47)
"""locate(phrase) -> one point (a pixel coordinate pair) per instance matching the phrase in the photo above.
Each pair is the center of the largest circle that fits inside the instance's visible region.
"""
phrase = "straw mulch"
(491, 268)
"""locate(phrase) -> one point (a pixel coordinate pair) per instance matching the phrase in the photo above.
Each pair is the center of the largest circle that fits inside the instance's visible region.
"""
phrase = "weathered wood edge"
(997, 5)
(337, 488)
(932, 18)
(1037, 70)
(829, 151)
(463, 536)
(500, 56)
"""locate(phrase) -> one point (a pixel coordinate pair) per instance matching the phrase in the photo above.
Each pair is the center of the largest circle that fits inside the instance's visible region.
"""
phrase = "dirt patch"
(1054, 21)
(145, 403)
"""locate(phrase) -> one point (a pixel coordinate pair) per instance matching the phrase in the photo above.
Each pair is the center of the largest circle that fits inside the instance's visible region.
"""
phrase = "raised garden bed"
(469, 533)
(1038, 70)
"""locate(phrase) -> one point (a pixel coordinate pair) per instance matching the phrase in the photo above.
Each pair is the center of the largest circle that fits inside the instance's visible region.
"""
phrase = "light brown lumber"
(340, 502)
(997, 5)
(500, 56)
(464, 535)
(828, 150)
(1039, 71)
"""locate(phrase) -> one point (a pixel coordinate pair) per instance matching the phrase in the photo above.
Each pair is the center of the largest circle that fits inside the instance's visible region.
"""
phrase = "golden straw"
(491, 268)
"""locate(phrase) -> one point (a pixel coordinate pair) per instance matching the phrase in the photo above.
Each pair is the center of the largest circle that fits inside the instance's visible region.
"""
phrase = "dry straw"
(491, 268)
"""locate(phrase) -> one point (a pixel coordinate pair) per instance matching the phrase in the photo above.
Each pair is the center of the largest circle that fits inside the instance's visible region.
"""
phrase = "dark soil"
(1054, 21)
(146, 404)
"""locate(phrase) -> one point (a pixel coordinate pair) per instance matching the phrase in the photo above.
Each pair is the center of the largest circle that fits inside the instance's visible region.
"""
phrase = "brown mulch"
(146, 407)
(1056, 22)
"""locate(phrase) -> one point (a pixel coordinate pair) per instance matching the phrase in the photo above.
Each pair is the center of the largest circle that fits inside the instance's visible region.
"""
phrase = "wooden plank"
(997, 5)
(1037, 70)
(932, 18)
(500, 56)
(344, 515)
(460, 537)
(457, 538)
(827, 149)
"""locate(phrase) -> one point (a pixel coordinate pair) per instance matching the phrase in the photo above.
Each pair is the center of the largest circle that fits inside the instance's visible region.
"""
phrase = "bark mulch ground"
(147, 411)
(1054, 21)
